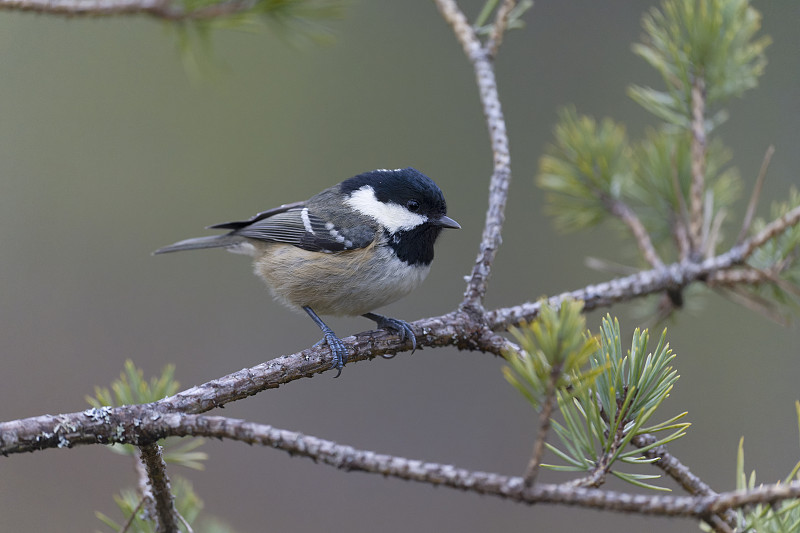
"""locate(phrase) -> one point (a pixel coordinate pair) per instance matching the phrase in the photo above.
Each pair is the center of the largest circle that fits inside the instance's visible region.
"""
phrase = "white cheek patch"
(391, 216)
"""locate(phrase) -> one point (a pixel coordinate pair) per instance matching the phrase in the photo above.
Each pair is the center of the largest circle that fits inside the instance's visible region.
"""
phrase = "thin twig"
(499, 27)
(160, 490)
(621, 210)
(501, 174)
(544, 426)
(698, 165)
(751, 205)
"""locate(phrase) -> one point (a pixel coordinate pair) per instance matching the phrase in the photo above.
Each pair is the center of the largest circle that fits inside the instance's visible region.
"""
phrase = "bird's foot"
(338, 350)
(337, 347)
(401, 327)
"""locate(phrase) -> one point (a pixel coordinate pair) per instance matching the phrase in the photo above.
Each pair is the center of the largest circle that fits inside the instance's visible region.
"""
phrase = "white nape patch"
(306, 220)
(391, 216)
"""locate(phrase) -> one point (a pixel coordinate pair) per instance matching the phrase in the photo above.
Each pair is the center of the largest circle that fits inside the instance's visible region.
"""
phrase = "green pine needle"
(636, 479)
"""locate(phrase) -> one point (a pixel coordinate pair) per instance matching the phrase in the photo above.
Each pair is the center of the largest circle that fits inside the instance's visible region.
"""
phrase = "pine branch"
(481, 59)
(134, 430)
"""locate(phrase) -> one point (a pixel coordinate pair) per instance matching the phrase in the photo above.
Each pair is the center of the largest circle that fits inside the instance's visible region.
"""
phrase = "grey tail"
(199, 243)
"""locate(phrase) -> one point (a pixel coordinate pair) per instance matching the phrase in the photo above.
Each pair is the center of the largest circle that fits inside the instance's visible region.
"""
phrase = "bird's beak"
(447, 222)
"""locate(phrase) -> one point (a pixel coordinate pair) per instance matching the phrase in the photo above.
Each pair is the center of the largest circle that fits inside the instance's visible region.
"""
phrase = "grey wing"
(299, 227)
(260, 216)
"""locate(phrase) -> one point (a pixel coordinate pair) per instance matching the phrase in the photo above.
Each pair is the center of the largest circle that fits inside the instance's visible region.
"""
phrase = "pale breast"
(343, 283)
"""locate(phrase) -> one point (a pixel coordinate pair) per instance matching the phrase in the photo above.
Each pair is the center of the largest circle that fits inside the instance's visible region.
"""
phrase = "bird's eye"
(412, 205)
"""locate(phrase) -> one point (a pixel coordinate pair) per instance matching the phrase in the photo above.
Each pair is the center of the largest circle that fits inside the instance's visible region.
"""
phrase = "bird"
(346, 251)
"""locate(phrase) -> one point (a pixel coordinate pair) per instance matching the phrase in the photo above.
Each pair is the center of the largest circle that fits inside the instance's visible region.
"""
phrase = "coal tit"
(352, 248)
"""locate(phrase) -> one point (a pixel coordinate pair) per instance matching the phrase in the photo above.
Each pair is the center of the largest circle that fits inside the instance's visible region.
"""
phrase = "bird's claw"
(337, 347)
(401, 327)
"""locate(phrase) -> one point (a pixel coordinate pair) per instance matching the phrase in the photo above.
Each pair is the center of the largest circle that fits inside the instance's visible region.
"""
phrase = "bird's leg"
(400, 327)
(338, 349)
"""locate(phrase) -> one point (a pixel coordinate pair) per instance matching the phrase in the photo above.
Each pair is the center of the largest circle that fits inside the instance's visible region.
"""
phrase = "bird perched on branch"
(361, 244)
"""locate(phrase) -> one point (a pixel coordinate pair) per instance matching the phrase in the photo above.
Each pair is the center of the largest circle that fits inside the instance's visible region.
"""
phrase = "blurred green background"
(109, 150)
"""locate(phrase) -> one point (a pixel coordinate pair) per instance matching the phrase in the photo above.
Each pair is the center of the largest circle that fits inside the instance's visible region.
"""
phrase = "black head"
(408, 204)
(405, 187)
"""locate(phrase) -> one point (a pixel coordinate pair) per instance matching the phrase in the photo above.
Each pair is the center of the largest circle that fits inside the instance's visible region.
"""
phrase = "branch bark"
(134, 430)
(159, 490)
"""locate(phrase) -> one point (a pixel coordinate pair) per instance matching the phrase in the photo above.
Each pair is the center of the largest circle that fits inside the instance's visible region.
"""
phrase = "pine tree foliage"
(601, 420)
(589, 163)
(606, 396)
(691, 40)
(674, 188)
